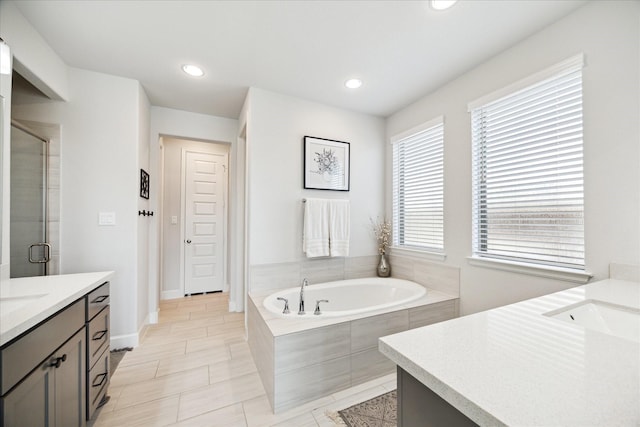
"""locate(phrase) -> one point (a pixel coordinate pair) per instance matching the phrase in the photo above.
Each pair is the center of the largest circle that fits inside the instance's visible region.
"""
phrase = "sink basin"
(9, 304)
(611, 319)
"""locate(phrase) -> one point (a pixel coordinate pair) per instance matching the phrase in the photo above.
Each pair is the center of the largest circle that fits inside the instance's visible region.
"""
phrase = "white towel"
(315, 238)
(339, 220)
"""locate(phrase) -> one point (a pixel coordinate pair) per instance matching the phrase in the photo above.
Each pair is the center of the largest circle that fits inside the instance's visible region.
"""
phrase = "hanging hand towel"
(315, 238)
(339, 225)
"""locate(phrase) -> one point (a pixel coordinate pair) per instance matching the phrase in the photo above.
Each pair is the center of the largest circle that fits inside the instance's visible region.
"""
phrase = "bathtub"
(303, 358)
(346, 297)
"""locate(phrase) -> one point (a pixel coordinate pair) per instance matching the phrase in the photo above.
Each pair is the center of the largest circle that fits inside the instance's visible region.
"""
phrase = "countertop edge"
(464, 405)
(21, 327)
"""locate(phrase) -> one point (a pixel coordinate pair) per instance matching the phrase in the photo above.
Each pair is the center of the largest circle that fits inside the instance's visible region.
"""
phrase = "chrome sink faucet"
(301, 306)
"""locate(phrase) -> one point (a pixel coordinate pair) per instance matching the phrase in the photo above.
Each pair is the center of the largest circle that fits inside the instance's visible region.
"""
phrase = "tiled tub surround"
(432, 275)
(303, 359)
(516, 365)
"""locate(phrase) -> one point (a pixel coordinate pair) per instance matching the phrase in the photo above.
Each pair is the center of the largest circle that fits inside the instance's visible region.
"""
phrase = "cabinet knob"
(58, 361)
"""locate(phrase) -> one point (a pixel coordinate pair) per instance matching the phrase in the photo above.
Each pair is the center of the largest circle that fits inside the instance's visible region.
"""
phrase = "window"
(528, 174)
(418, 181)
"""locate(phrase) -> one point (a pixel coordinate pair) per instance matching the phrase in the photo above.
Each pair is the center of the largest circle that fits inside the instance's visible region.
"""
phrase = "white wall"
(171, 206)
(100, 131)
(143, 287)
(275, 132)
(33, 57)
(608, 34)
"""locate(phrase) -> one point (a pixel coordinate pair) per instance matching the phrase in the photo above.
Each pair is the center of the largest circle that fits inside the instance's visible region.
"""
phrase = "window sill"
(418, 254)
(565, 274)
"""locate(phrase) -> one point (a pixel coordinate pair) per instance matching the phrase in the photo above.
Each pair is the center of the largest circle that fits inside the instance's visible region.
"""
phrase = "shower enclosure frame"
(45, 200)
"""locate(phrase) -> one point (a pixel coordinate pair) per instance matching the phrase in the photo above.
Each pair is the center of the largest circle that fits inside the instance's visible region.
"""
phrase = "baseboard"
(122, 341)
(171, 294)
(153, 317)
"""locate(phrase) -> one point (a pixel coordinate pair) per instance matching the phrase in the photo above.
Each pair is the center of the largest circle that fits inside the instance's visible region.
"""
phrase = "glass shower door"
(29, 249)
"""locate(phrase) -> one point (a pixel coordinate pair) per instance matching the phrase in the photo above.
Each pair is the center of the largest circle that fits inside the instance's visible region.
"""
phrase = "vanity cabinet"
(57, 372)
(44, 371)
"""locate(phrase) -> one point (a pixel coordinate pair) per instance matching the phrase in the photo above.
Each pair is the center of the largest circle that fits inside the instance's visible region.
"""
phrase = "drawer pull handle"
(100, 299)
(58, 361)
(99, 335)
(103, 378)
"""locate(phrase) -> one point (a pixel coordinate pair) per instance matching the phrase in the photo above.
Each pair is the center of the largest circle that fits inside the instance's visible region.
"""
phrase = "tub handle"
(317, 311)
(286, 305)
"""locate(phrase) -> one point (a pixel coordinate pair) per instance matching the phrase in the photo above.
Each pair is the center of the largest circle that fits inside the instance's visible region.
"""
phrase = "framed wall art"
(326, 164)
(144, 184)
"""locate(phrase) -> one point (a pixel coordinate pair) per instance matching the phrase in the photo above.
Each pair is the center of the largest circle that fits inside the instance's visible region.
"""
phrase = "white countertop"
(25, 302)
(514, 366)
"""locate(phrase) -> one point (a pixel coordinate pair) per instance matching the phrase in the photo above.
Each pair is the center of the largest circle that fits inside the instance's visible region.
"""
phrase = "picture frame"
(326, 164)
(144, 184)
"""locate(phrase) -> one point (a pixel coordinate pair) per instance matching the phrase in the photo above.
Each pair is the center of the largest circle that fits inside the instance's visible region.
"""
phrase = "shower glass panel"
(29, 248)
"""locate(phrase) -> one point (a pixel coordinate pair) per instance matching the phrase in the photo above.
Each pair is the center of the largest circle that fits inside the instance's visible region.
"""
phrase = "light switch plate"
(174, 219)
(106, 218)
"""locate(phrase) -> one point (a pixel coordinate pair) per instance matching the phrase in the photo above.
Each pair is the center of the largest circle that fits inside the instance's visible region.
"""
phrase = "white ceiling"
(402, 50)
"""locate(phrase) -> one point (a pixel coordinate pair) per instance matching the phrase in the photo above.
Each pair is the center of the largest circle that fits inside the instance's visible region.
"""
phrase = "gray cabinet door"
(30, 404)
(53, 394)
(70, 377)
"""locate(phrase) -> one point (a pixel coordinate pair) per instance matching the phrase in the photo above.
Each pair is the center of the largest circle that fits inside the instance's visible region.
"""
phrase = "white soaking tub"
(346, 297)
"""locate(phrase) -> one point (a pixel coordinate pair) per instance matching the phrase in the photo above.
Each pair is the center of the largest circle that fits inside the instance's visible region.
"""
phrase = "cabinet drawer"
(97, 383)
(97, 300)
(32, 348)
(98, 336)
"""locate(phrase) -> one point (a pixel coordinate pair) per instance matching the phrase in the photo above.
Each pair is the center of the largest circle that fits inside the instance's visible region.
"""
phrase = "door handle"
(47, 253)
(188, 241)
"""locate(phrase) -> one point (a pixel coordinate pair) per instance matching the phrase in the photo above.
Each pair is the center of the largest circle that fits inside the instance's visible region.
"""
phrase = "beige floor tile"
(304, 420)
(171, 336)
(148, 353)
(172, 316)
(219, 395)
(196, 359)
(161, 387)
(234, 317)
(181, 376)
(131, 374)
(157, 413)
(235, 327)
(230, 416)
(213, 342)
(197, 323)
(232, 368)
(205, 314)
(259, 413)
(240, 350)
(114, 394)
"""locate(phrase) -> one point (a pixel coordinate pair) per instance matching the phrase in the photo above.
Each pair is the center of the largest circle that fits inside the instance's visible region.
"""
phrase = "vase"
(384, 269)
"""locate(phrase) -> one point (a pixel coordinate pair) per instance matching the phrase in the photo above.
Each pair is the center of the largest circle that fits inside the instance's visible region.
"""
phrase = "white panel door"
(205, 183)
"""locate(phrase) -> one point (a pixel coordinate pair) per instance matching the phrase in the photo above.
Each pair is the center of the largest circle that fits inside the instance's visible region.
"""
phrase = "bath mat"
(116, 356)
(380, 411)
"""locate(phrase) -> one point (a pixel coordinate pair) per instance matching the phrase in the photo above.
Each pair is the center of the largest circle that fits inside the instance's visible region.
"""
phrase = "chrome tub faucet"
(301, 306)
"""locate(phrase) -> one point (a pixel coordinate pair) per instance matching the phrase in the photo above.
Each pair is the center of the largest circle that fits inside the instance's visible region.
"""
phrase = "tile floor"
(194, 368)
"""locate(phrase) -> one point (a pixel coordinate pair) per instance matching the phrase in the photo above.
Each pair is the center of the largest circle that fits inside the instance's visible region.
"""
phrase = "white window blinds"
(528, 174)
(418, 193)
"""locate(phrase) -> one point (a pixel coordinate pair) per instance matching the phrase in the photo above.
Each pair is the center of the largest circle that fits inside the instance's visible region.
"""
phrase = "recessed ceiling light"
(442, 4)
(193, 70)
(353, 83)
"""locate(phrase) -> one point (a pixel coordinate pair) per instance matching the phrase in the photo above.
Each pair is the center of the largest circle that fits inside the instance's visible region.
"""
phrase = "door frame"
(225, 221)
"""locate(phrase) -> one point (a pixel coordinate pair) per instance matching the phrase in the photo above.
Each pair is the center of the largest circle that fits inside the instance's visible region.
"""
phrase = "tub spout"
(301, 306)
